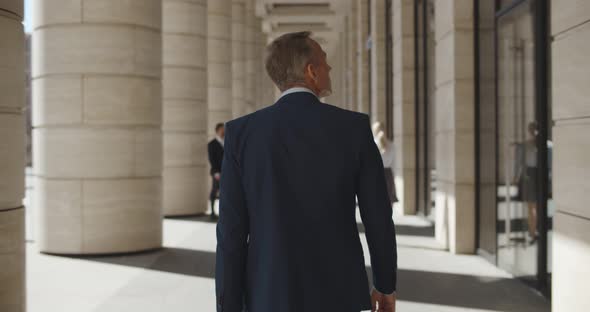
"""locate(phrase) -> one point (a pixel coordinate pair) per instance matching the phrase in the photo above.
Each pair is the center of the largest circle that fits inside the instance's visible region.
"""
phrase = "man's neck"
(301, 85)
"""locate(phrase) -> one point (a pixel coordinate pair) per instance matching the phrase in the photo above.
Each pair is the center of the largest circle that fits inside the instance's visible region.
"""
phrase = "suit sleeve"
(376, 213)
(232, 233)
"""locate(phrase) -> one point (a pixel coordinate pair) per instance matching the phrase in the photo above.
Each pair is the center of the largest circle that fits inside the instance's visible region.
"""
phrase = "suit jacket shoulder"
(359, 122)
(357, 117)
(237, 128)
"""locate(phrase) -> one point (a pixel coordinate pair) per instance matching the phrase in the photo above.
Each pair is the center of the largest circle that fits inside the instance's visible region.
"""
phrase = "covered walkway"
(109, 106)
(180, 276)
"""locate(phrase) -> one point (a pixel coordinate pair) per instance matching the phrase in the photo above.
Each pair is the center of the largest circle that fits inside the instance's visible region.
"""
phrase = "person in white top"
(387, 150)
(526, 174)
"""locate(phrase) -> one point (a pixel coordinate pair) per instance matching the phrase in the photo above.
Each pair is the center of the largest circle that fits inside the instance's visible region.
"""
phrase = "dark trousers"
(390, 182)
(214, 194)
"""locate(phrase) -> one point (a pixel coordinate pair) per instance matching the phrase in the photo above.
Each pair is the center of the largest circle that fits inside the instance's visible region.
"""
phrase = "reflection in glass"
(517, 151)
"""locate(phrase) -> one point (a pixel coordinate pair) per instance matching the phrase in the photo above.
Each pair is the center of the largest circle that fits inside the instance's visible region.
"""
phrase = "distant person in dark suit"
(287, 236)
(215, 149)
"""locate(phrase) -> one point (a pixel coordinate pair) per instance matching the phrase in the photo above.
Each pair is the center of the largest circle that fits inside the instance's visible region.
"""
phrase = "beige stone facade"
(455, 140)
(362, 54)
(404, 104)
(252, 29)
(219, 63)
(97, 140)
(352, 58)
(238, 58)
(378, 102)
(184, 79)
(570, 30)
(12, 157)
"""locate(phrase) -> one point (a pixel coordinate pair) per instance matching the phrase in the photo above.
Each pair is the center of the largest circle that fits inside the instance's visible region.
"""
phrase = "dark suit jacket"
(215, 150)
(287, 238)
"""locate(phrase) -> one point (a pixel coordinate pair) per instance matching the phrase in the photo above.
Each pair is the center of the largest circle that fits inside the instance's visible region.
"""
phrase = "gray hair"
(286, 58)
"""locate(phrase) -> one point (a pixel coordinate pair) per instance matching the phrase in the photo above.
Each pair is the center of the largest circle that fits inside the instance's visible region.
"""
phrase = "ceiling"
(325, 18)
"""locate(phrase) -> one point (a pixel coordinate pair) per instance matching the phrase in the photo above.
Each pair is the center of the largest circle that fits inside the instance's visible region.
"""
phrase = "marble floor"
(179, 277)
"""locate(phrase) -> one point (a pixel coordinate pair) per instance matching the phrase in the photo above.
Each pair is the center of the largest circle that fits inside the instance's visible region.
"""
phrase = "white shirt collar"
(220, 140)
(296, 89)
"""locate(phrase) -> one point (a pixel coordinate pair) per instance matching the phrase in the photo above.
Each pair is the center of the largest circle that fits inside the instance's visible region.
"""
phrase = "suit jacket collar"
(299, 98)
(295, 90)
(218, 139)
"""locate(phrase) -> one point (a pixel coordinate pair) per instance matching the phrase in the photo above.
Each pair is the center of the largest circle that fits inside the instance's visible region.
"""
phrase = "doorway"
(514, 203)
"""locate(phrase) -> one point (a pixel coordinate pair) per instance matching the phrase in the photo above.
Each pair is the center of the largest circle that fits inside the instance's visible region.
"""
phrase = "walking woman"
(387, 150)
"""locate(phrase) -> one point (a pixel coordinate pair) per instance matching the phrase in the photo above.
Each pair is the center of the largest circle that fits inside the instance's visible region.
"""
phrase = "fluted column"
(238, 58)
(378, 111)
(97, 141)
(219, 56)
(12, 157)
(184, 28)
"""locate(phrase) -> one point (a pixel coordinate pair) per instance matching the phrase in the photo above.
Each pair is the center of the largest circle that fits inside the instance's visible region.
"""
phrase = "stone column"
(269, 88)
(351, 47)
(363, 66)
(378, 112)
(12, 157)
(252, 29)
(343, 71)
(454, 126)
(345, 61)
(263, 81)
(404, 104)
(238, 58)
(97, 141)
(184, 28)
(219, 56)
(335, 61)
(570, 30)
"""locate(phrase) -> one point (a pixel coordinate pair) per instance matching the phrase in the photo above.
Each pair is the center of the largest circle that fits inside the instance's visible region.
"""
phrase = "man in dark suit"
(287, 238)
(215, 149)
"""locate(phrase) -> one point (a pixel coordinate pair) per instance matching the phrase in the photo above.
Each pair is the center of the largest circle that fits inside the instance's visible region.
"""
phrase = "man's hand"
(381, 302)
(217, 176)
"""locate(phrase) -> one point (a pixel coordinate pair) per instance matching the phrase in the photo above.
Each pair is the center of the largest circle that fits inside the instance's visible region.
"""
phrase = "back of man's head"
(286, 58)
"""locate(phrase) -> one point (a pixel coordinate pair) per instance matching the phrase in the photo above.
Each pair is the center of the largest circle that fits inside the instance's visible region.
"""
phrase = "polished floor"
(179, 277)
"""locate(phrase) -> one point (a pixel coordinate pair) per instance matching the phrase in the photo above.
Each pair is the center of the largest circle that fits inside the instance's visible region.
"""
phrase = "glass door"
(486, 130)
(424, 62)
(517, 151)
(522, 132)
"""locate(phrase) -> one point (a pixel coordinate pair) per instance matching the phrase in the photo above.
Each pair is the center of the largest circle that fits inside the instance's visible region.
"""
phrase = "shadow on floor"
(172, 260)
(197, 218)
(467, 291)
(425, 231)
(476, 292)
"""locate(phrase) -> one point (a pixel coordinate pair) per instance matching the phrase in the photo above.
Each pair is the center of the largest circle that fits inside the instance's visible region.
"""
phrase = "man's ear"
(310, 71)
